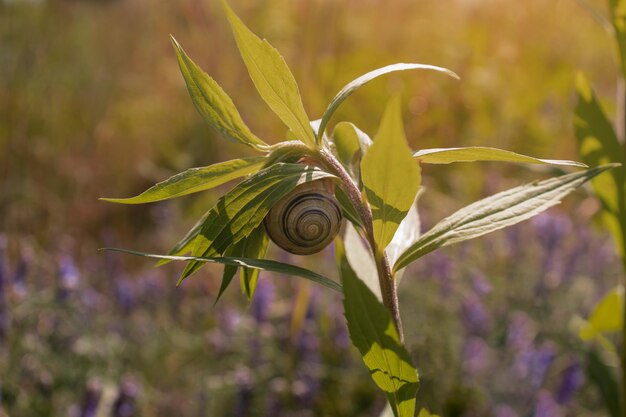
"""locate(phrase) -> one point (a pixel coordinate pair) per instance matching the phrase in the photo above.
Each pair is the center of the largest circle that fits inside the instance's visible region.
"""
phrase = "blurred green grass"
(92, 104)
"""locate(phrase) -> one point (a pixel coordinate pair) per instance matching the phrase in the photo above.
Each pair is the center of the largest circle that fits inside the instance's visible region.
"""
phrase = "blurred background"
(92, 104)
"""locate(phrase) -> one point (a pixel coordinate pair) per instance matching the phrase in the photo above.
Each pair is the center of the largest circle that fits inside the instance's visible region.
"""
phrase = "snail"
(306, 220)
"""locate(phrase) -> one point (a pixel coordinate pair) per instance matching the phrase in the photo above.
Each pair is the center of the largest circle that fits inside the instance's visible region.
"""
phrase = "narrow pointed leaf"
(598, 144)
(361, 260)
(255, 247)
(229, 271)
(496, 212)
(373, 333)
(479, 153)
(390, 176)
(194, 180)
(186, 244)
(407, 234)
(213, 104)
(346, 139)
(242, 210)
(607, 316)
(272, 78)
(260, 264)
(353, 85)
(347, 208)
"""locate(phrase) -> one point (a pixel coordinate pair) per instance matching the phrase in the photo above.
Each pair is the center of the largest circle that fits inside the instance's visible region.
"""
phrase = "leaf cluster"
(377, 183)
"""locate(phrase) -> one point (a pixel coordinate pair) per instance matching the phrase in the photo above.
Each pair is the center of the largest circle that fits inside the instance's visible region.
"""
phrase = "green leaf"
(390, 176)
(255, 247)
(260, 264)
(361, 260)
(213, 103)
(272, 78)
(186, 243)
(496, 212)
(373, 333)
(346, 139)
(194, 180)
(352, 86)
(617, 11)
(598, 144)
(425, 413)
(229, 270)
(242, 210)
(479, 153)
(603, 377)
(607, 316)
(347, 208)
(407, 234)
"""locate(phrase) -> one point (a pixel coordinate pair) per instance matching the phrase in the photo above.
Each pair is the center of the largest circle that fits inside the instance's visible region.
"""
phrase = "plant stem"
(386, 281)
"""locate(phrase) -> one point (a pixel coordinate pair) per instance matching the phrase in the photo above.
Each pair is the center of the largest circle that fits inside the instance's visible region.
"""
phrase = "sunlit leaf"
(346, 139)
(254, 247)
(260, 264)
(213, 103)
(390, 176)
(407, 234)
(361, 260)
(598, 144)
(607, 316)
(373, 333)
(479, 153)
(272, 78)
(496, 212)
(194, 180)
(352, 86)
(242, 209)
(347, 208)
(186, 244)
(425, 413)
(229, 271)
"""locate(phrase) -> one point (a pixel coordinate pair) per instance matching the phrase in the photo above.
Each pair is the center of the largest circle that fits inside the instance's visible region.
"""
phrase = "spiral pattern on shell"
(306, 220)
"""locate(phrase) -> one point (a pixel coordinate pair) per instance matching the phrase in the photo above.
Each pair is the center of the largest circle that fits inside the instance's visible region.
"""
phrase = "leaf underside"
(260, 264)
(496, 212)
(373, 333)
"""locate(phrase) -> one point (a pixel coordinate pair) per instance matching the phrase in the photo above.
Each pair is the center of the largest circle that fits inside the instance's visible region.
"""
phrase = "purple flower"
(546, 406)
(480, 284)
(521, 332)
(533, 364)
(19, 278)
(68, 273)
(68, 277)
(475, 316)
(124, 405)
(475, 356)
(573, 378)
(4, 311)
(551, 229)
(91, 399)
(125, 294)
(263, 299)
(504, 411)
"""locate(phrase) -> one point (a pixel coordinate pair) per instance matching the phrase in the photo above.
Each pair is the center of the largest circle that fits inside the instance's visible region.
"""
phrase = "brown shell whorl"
(306, 220)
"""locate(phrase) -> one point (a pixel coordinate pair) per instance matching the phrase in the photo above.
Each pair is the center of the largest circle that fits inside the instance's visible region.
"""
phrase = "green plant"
(601, 142)
(375, 183)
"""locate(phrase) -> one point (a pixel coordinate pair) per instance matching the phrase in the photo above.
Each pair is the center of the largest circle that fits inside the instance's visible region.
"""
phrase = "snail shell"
(306, 220)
